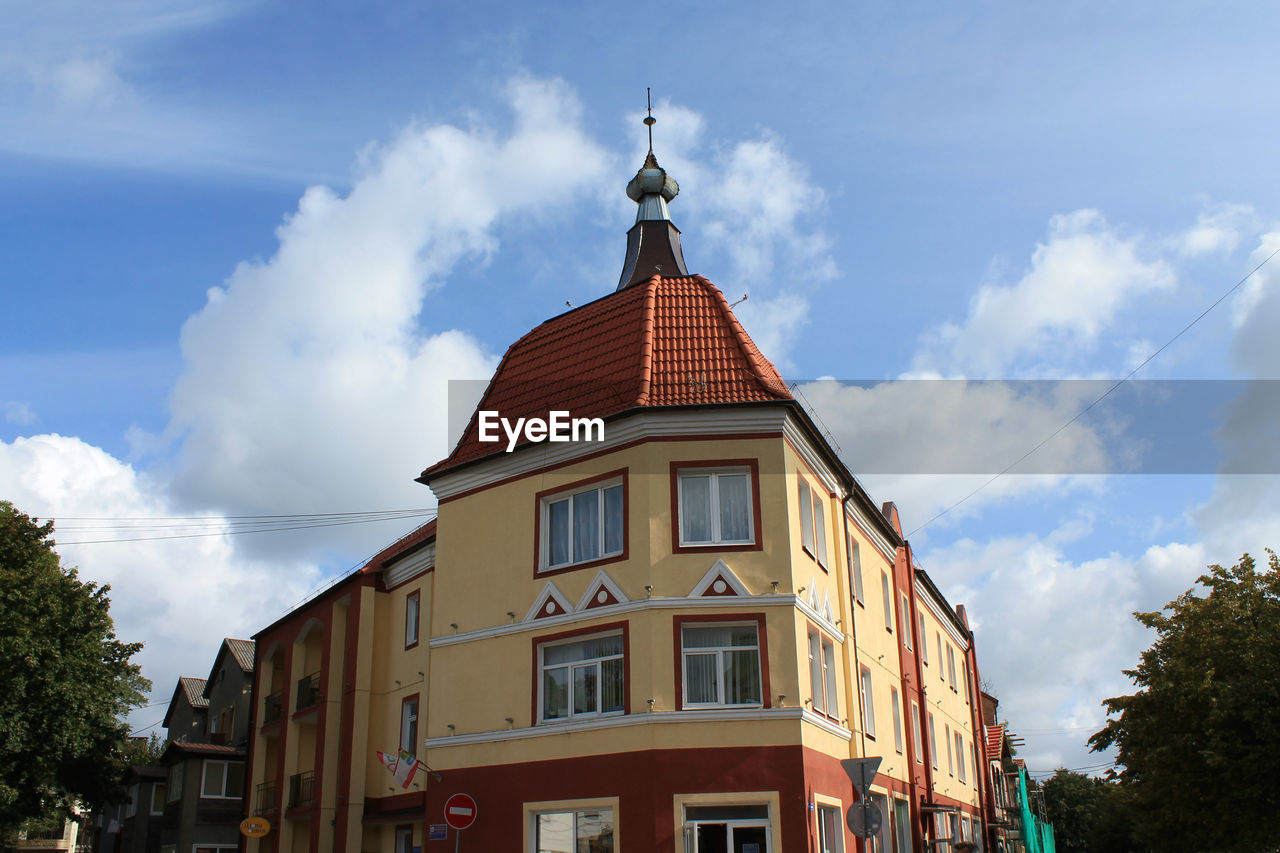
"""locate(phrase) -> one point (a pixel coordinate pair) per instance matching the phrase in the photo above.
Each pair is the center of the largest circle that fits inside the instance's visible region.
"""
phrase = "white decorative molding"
(657, 603)
(826, 605)
(724, 715)
(719, 569)
(644, 424)
(550, 592)
(601, 581)
(820, 619)
(410, 567)
(813, 592)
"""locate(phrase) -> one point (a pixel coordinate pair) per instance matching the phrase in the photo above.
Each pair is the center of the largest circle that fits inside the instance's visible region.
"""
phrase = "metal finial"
(649, 120)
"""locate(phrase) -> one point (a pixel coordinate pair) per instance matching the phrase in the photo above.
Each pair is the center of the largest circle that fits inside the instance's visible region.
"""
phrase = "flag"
(403, 766)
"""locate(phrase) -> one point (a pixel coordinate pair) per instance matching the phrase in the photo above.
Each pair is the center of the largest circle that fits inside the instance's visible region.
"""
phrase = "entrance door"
(727, 829)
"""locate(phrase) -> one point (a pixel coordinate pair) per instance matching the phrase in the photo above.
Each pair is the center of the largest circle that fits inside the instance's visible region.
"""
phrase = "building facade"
(664, 634)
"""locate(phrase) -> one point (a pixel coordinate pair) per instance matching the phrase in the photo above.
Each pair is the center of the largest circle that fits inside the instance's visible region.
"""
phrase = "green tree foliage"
(65, 681)
(1089, 815)
(1199, 743)
(143, 750)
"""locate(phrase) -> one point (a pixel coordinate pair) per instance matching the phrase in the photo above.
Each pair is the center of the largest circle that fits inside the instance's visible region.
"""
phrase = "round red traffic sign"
(460, 811)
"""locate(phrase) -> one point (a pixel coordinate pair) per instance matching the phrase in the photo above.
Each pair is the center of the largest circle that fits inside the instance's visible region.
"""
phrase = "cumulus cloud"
(178, 596)
(1077, 282)
(316, 379)
(1220, 228)
(1053, 634)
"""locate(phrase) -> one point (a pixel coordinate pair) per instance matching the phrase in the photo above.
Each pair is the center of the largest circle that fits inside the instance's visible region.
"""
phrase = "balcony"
(302, 790)
(308, 691)
(272, 707)
(266, 799)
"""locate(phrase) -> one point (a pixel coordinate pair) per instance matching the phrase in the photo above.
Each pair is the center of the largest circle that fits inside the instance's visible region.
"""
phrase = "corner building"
(668, 639)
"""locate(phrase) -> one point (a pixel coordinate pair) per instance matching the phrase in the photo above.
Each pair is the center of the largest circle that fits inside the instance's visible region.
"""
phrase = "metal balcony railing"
(267, 799)
(308, 691)
(272, 707)
(302, 790)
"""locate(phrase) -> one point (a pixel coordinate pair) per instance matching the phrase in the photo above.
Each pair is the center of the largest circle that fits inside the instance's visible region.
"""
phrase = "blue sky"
(245, 244)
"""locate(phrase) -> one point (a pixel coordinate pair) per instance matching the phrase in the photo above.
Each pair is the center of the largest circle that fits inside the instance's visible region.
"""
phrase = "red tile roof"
(995, 741)
(664, 342)
(204, 748)
(411, 540)
(194, 690)
(242, 650)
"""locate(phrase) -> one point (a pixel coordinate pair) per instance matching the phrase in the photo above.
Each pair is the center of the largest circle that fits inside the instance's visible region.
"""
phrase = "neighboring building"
(208, 724)
(671, 636)
(1015, 823)
(141, 821)
(56, 834)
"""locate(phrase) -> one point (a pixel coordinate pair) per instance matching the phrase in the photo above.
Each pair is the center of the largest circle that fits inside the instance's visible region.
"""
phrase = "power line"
(1103, 395)
(203, 529)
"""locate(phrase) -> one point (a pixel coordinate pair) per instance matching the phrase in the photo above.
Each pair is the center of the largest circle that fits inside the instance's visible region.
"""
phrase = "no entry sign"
(460, 811)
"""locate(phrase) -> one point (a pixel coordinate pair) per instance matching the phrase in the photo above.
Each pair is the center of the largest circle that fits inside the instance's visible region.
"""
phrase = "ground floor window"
(830, 830)
(902, 824)
(577, 831)
(882, 841)
(727, 829)
(404, 839)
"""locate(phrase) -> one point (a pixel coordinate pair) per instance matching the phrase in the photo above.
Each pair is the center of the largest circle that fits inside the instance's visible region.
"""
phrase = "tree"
(1088, 815)
(65, 681)
(138, 751)
(1199, 743)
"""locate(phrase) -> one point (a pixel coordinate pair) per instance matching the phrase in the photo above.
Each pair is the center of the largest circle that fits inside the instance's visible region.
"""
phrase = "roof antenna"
(739, 302)
(649, 120)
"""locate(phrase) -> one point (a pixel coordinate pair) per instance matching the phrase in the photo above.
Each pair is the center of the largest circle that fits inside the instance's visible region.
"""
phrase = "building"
(208, 724)
(664, 635)
(1015, 823)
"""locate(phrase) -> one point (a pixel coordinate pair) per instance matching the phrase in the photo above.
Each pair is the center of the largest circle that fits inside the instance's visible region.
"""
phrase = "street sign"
(438, 832)
(864, 818)
(862, 771)
(255, 827)
(460, 811)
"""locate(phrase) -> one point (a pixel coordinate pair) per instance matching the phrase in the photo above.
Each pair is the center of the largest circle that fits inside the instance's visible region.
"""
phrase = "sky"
(244, 246)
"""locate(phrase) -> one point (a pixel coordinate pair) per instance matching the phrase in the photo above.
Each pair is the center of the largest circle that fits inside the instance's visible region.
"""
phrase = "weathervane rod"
(649, 119)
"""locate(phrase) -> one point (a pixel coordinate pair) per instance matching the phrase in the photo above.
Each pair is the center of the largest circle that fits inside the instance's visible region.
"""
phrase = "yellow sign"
(255, 827)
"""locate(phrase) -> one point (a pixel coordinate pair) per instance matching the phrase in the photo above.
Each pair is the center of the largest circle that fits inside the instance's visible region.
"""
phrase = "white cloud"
(178, 596)
(1077, 283)
(1054, 635)
(308, 383)
(1218, 229)
(18, 413)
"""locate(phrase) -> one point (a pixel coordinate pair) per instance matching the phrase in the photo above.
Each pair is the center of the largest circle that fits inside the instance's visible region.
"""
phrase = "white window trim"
(855, 567)
(887, 594)
(152, 807)
(908, 629)
(583, 715)
(826, 695)
(898, 737)
(690, 825)
(226, 775)
(867, 690)
(412, 626)
(544, 511)
(917, 731)
(573, 809)
(408, 721)
(714, 510)
(719, 652)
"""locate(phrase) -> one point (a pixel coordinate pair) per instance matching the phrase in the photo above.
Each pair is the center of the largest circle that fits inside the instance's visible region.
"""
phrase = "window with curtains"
(822, 674)
(721, 665)
(409, 725)
(716, 507)
(868, 704)
(813, 523)
(582, 678)
(582, 525)
(855, 567)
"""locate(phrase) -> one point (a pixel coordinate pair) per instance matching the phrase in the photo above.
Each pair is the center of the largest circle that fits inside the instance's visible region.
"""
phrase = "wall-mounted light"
(450, 727)
(648, 590)
(801, 590)
(397, 682)
(782, 700)
(421, 674)
(775, 586)
(511, 615)
(510, 722)
(454, 626)
(651, 701)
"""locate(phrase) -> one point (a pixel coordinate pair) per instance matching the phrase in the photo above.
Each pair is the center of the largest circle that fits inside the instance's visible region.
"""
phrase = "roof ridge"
(750, 351)
(646, 341)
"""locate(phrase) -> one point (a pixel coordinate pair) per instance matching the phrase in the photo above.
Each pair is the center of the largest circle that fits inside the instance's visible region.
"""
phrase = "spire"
(653, 243)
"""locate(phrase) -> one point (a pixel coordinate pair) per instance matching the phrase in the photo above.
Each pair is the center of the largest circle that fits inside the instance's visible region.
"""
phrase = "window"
(881, 842)
(830, 830)
(905, 621)
(582, 525)
(897, 719)
(719, 828)
(902, 823)
(412, 609)
(584, 677)
(223, 780)
(813, 524)
(409, 725)
(135, 794)
(960, 756)
(822, 674)
(174, 791)
(868, 709)
(915, 729)
(964, 670)
(806, 518)
(855, 567)
(951, 666)
(941, 674)
(721, 665)
(888, 602)
(933, 742)
(946, 736)
(572, 831)
(716, 507)
(157, 798)
(924, 640)
(404, 839)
